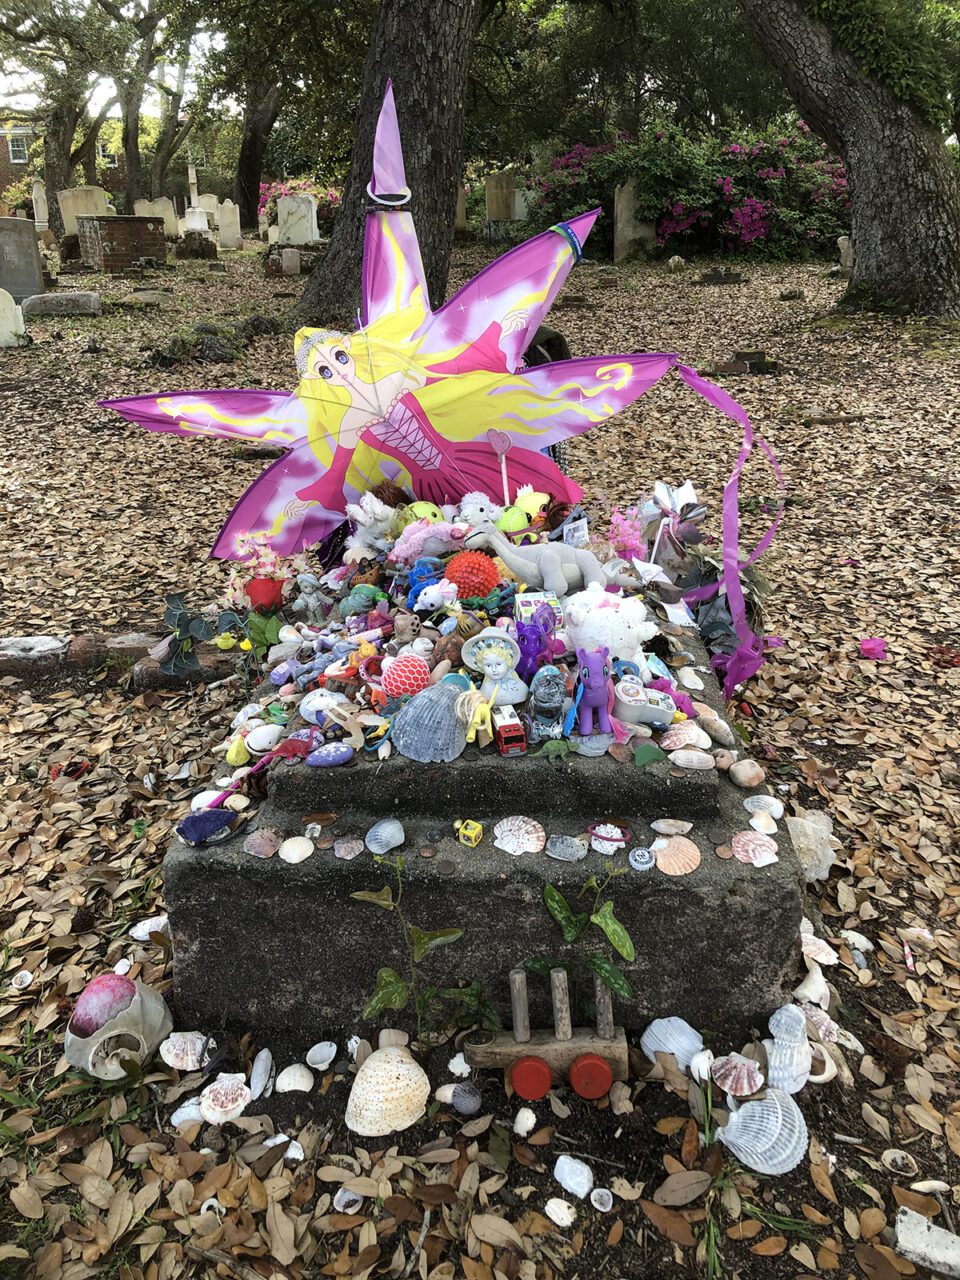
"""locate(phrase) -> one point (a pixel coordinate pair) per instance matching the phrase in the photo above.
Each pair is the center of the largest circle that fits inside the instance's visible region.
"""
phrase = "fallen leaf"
(669, 1223)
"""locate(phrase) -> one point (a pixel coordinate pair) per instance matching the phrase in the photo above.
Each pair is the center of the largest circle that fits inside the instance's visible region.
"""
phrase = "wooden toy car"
(508, 732)
(469, 832)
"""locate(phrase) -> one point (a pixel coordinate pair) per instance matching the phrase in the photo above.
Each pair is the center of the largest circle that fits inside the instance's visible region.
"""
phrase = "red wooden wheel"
(531, 1078)
(590, 1075)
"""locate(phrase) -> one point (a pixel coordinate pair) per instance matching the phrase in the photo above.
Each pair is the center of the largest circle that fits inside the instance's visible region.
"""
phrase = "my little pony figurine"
(596, 691)
(535, 638)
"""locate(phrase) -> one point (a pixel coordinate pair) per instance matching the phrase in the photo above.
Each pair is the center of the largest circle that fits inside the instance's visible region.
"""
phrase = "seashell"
(700, 1065)
(249, 712)
(899, 1162)
(224, 1099)
(789, 1056)
(814, 986)
(466, 1098)
(525, 1122)
(389, 1093)
(560, 1212)
(294, 1079)
(857, 940)
(385, 835)
(262, 1075)
(824, 1066)
(296, 849)
(21, 980)
(671, 1035)
(676, 856)
(737, 1075)
(321, 1055)
(516, 835)
(347, 848)
(602, 1199)
(263, 843)
(607, 838)
(115, 1019)
(717, 730)
(671, 826)
(817, 949)
(763, 823)
(459, 1066)
(188, 1112)
(566, 849)
(788, 1024)
(685, 734)
(820, 1022)
(187, 1050)
(692, 759)
(755, 848)
(689, 679)
(263, 739)
(574, 1176)
(142, 930)
(122, 966)
(746, 773)
(391, 1037)
(203, 800)
(931, 1186)
(444, 1094)
(426, 728)
(764, 804)
(642, 859)
(769, 1135)
(346, 1201)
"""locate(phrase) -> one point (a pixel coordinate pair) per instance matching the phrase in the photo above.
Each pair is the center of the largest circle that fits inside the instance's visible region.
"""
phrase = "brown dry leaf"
(615, 1234)
(772, 1247)
(875, 1121)
(628, 1191)
(26, 1201)
(915, 1201)
(803, 1254)
(814, 1215)
(873, 1264)
(951, 1129)
(690, 1147)
(542, 1137)
(670, 1125)
(669, 1223)
(496, 1231)
(821, 1180)
(872, 1222)
(473, 1128)
(683, 1188)
(745, 1230)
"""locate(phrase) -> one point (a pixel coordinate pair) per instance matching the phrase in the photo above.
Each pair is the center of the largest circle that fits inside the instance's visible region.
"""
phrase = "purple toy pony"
(596, 691)
(535, 638)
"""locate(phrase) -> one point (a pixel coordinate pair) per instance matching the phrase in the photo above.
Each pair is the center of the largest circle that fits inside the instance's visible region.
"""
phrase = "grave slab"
(21, 271)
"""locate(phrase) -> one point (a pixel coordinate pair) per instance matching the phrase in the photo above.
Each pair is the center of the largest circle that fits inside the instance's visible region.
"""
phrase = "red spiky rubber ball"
(99, 1001)
(473, 573)
(408, 674)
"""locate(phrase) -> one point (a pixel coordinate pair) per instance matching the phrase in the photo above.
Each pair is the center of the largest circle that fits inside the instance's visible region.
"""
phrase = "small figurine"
(535, 638)
(544, 710)
(596, 691)
(468, 832)
(361, 599)
(496, 654)
(312, 604)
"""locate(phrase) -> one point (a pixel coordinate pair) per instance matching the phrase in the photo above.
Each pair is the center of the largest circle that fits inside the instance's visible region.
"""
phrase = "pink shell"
(183, 1050)
(100, 1000)
(678, 736)
(817, 949)
(406, 675)
(737, 1075)
(224, 1099)
(822, 1023)
(263, 843)
(754, 847)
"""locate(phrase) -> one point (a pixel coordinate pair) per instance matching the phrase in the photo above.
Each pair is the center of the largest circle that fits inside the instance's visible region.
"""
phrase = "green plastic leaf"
(648, 753)
(427, 940)
(382, 898)
(541, 966)
(610, 976)
(500, 1146)
(391, 992)
(617, 935)
(201, 629)
(571, 922)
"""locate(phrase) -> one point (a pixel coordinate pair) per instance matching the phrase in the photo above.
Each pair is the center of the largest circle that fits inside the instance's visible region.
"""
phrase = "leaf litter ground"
(100, 521)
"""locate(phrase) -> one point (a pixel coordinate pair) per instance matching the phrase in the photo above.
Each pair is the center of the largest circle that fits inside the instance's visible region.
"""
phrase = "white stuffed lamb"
(596, 619)
(371, 519)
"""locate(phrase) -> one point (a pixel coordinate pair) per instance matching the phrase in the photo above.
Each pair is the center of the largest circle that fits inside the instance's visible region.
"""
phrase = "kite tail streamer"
(748, 657)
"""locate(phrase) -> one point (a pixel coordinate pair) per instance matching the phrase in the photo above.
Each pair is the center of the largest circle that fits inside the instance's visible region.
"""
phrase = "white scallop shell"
(561, 1212)
(346, 1201)
(295, 849)
(685, 734)
(763, 823)
(385, 835)
(671, 1035)
(737, 1075)
(525, 1122)
(262, 1075)
(690, 759)
(203, 800)
(746, 774)
(224, 1099)
(321, 1055)
(294, 1079)
(389, 1094)
(263, 739)
(764, 804)
(517, 834)
(769, 1135)
(700, 1065)
(671, 826)
(817, 949)
(182, 1050)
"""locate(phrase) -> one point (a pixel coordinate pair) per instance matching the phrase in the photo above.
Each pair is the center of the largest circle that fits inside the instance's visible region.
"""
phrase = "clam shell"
(294, 1079)
(262, 1075)
(389, 1094)
(426, 728)
(685, 734)
(263, 739)
(671, 1035)
(768, 1136)
(561, 1212)
(296, 849)
(602, 1199)
(676, 856)
(764, 804)
(347, 848)
(224, 1099)
(188, 1112)
(817, 949)
(689, 679)
(737, 1075)
(518, 834)
(746, 773)
(821, 1022)
(385, 835)
(184, 1050)
(753, 847)
(716, 729)
(899, 1162)
(321, 1055)
(466, 1098)
(690, 759)
(788, 1024)
(671, 827)
(203, 800)
(263, 843)
(763, 823)
(346, 1201)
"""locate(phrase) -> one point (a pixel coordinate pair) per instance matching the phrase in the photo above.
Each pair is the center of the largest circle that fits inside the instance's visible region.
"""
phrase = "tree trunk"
(905, 200)
(59, 126)
(425, 47)
(259, 116)
(172, 133)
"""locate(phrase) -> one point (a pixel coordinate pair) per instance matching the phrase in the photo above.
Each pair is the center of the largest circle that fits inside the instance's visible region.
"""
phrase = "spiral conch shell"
(389, 1094)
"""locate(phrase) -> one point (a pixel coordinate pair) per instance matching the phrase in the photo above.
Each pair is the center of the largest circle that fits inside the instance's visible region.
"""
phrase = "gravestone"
(11, 321)
(192, 183)
(21, 272)
(76, 201)
(263, 225)
(41, 213)
(521, 204)
(845, 245)
(194, 222)
(72, 302)
(160, 208)
(273, 234)
(208, 203)
(297, 217)
(500, 193)
(290, 259)
(229, 224)
(630, 233)
(461, 222)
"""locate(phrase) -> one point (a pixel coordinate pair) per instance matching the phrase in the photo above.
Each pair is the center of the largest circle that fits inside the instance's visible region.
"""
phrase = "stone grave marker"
(41, 213)
(290, 259)
(73, 302)
(630, 233)
(11, 321)
(208, 203)
(461, 222)
(160, 208)
(21, 272)
(76, 201)
(273, 234)
(192, 183)
(297, 216)
(229, 224)
(500, 193)
(845, 245)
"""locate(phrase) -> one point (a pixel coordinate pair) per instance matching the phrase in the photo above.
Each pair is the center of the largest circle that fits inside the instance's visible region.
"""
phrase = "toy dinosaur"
(542, 566)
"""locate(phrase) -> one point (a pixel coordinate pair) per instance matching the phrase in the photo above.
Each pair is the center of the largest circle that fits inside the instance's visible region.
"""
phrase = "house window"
(108, 157)
(18, 149)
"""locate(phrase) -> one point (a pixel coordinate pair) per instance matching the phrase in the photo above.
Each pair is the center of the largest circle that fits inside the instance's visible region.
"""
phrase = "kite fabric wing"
(269, 416)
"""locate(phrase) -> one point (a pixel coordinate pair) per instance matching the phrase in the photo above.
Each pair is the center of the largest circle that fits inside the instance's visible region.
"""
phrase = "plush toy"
(372, 520)
(425, 570)
(553, 566)
(426, 538)
(436, 595)
(595, 618)
(477, 506)
(533, 505)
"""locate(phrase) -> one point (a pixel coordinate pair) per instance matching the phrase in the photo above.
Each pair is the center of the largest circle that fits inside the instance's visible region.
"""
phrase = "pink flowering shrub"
(328, 199)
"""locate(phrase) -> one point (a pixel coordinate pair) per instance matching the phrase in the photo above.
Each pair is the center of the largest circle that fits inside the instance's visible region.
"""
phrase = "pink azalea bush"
(327, 198)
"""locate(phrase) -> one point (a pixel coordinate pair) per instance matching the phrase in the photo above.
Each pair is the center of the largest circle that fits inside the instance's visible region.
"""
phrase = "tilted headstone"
(159, 208)
(81, 200)
(21, 272)
(229, 224)
(290, 259)
(297, 216)
(461, 222)
(845, 245)
(41, 214)
(500, 191)
(630, 233)
(11, 321)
